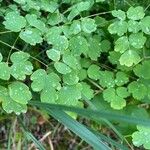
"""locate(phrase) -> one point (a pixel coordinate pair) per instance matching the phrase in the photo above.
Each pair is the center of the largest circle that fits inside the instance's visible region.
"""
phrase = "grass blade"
(94, 113)
(109, 140)
(78, 128)
(30, 136)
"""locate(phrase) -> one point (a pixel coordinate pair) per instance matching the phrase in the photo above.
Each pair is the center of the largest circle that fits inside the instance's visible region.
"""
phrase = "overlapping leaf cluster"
(86, 55)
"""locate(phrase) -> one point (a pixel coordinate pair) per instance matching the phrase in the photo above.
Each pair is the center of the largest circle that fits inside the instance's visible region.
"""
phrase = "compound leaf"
(142, 137)
(116, 101)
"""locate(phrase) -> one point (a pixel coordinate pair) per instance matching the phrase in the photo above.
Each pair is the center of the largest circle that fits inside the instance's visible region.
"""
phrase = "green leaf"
(85, 62)
(14, 22)
(135, 13)
(18, 57)
(20, 70)
(71, 78)
(115, 98)
(100, 21)
(35, 22)
(142, 137)
(20, 67)
(141, 70)
(94, 72)
(122, 92)
(121, 78)
(118, 27)
(87, 92)
(122, 44)
(138, 90)
(77, 8)
(60, 43)
(114, 57)
(88, 25)
(106, 79)
(62, 68)
(71, 61)
(49, 6)
(129, 58)
(75, 27)
(53, 54)
(69, 95)
(31, 36)
(38, 78)
(53, 80)
(47, 84)
(82, 74)
(19, 92)
(145, 25)
(105, 45)
(20, 1)
(94, 49)
(55, 18)
(52, 34)
(78, 45)
(8, 104)
(133, 26)
(119, 14)
(54, 37)
(42, 80)
(137, 40)
(49, 95)
(11, 106)
(4, 71)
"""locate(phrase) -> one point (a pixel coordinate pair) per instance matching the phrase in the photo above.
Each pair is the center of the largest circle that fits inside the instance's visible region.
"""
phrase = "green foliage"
(62, 53)
(141, 137)
(14, 21)
(116, 97)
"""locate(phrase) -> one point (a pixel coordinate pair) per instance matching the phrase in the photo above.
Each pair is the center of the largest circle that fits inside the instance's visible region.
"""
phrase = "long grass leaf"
(78, 129)
(30, 136)
(94, 113)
